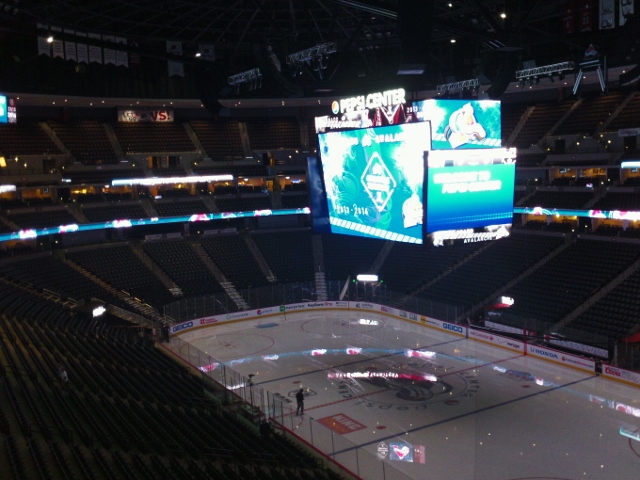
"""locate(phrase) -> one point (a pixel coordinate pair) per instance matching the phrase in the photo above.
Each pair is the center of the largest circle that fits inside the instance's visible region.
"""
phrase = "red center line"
(365, 394)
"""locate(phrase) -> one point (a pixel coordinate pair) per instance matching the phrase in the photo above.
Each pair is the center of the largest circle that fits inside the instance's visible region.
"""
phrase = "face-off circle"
(408, 386)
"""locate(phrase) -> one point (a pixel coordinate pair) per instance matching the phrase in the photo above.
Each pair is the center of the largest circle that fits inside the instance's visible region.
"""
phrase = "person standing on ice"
(300, 402)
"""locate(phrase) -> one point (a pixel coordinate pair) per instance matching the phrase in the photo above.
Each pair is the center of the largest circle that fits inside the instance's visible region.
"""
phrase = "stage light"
(367, 278)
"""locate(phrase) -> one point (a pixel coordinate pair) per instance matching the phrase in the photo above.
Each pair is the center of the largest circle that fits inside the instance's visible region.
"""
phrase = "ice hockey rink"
(395, 399)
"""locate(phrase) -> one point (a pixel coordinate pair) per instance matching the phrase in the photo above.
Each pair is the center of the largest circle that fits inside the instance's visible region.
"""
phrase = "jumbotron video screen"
(373, 180)
(469, 195)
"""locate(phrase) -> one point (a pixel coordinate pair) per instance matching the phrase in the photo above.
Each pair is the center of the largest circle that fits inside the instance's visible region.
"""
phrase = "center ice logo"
(378, 181)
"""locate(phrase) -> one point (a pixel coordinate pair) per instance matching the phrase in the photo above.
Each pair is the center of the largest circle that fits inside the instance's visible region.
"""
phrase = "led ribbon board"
(126, 223)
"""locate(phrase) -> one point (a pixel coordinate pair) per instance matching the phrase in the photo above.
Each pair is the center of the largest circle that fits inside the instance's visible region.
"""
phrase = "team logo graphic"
(378, 181)
(410, 386)
(463, 127)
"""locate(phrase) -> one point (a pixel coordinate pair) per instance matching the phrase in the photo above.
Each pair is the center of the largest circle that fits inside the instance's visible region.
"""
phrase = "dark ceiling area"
(454, 40)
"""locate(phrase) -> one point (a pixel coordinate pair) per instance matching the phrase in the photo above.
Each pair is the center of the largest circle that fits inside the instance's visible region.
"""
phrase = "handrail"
(250, 395)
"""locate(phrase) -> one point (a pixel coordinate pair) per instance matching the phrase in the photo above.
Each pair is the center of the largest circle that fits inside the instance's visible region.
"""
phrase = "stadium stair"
(210, 203)
(148, 208)
(9, 224)
(621, 106)
(566, 115)
(113, 140)
(321, 287)
(259, 258)
(76, 210)
(55, 139)
(476, 308)
(319, 276)
(599, 193)
(617, 280)
(136, 248)
(144, 310)
(228, 287)
(382, 256)
(526, 197)
(196, 141)
(450, 269)
(521, 123)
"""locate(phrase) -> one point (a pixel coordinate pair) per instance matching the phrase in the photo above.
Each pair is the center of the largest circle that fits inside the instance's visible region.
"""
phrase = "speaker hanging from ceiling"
(504, 74)
(415, 25)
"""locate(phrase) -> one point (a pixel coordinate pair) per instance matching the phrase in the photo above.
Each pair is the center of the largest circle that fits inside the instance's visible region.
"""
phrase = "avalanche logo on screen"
(378, 181)
(463, 127)
(401, 451)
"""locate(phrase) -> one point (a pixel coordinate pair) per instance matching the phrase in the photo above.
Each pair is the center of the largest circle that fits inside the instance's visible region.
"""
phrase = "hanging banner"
(122, 58)
(134, 58)
(82, 50)
(175, 68)
(109, 53)
(207, 52)
(70, 47)
(95, 52)
(70, 51)
(58, 49)
(585, 15)
(625, 10)
(568, 16)
(44, 47)
(607, 14)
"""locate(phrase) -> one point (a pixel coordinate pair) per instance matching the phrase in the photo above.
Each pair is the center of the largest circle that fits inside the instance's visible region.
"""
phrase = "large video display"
(373, 180)
(4, 114)
(469, 195)
(460, 124)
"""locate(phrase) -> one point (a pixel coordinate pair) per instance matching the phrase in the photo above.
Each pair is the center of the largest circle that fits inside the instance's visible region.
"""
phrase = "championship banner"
(95, 52)
(207, 52)
(82, 50)
(568, 16)
(70, 47)
(44, 47)
(109, 53)
(607, 14)
(122, 58)
(58, 49)
(586, 15)
(175, 68)
(625, 10)
(57, 46)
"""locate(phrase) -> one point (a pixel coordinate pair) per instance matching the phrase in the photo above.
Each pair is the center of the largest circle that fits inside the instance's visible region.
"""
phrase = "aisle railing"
(346, 457)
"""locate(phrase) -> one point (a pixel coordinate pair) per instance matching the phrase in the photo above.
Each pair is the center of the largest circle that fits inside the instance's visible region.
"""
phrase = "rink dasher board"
(506, 343)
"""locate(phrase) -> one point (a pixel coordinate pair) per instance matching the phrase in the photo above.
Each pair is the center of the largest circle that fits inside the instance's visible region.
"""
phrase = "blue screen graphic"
(469, 196)
(460, 124)
(3, 109)
(374, 180)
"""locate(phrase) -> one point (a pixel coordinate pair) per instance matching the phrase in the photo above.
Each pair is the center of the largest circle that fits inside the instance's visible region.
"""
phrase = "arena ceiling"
(371, 36)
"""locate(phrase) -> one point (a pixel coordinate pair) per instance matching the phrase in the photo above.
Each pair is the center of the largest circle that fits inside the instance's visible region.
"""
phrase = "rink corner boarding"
(558, 357)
